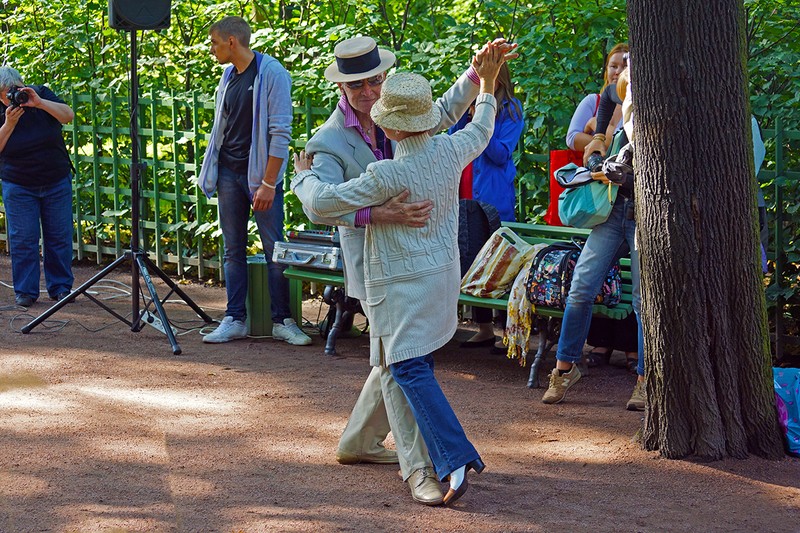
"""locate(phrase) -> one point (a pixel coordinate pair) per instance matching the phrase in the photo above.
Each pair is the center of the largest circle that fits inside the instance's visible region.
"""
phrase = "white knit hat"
(358, 58)
(406, 104)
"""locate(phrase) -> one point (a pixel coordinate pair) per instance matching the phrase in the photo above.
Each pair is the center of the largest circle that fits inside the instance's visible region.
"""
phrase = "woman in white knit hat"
(412, 275)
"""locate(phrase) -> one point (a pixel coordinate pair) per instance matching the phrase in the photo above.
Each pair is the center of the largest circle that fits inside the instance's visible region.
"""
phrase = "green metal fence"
(172, 136)
(782, 177)
(179, 225)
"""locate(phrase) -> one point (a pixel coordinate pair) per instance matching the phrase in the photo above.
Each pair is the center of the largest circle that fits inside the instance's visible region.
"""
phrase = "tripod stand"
(140, 263)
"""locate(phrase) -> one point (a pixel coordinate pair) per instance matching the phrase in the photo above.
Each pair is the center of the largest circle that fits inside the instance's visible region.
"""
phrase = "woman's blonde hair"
(622, 83)
(619, 48)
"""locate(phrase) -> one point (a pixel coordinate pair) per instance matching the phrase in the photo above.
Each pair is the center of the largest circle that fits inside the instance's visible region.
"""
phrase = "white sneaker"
(289, 332)
(228, 330)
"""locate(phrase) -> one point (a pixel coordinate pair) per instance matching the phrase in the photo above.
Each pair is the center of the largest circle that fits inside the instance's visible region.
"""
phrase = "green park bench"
(548, 319)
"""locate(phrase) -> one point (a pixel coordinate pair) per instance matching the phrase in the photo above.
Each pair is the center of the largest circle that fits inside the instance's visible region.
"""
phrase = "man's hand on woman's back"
(397, 211)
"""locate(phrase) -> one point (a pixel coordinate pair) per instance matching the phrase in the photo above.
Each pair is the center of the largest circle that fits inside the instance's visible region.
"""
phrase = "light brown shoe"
(637, 401)
(560, 384)
(425, 487)
(383, 457)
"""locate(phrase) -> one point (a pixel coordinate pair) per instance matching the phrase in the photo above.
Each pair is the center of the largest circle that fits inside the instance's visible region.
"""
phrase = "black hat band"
(359, 64)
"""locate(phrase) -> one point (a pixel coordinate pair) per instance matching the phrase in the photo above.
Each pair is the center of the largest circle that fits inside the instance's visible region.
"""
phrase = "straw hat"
(406, 104)
(358, 58)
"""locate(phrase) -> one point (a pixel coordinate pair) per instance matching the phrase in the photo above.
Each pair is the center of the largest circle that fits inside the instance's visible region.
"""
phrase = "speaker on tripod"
(133, 15)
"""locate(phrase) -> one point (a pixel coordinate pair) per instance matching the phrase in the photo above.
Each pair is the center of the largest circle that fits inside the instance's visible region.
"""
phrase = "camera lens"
(595, 162)
(16, 96)
(20, 97)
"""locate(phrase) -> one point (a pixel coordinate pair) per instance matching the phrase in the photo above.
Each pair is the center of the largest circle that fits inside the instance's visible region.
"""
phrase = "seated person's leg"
(485, 335)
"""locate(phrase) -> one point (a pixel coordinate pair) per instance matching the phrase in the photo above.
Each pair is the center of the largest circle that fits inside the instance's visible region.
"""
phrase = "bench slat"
(533, 234)
(317, 276)
(619, 312)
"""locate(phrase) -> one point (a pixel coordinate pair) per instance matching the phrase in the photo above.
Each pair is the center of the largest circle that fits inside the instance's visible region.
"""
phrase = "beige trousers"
(382, 407)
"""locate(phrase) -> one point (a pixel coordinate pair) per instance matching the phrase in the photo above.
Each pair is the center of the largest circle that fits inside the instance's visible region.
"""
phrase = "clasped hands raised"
(488, 60)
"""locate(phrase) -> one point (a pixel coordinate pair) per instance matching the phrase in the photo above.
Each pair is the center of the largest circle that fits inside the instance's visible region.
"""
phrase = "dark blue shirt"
(234, 154)
(35, 154)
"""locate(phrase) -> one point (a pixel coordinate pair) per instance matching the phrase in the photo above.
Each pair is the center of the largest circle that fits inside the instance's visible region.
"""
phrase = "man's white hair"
(9, 77)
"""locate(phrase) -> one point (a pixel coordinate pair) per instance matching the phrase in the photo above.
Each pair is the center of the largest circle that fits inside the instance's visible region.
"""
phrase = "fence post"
(98, 216)
(309, 118)
(114, 99)
(154, 164)
(77, 178)
(199, 203)
(178, 177)
(779, 255)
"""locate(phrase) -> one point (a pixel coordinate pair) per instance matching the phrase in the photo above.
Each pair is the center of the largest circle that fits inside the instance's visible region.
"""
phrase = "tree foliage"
(70, 45)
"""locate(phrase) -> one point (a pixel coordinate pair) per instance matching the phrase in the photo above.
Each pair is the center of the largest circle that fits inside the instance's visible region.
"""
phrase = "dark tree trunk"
(708, 370)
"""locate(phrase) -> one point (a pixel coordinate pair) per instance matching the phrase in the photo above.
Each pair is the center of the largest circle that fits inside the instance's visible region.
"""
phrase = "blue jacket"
(493, 171)
(272, 124)
(759, 153)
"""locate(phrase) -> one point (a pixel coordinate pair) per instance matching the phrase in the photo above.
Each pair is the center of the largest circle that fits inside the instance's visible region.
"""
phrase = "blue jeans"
(234, 203)
(591, 269)
(447, 443)
(28, 209)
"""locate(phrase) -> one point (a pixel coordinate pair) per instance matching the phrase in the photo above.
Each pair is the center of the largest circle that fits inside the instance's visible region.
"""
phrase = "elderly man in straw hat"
(344, 146)
(412, 274)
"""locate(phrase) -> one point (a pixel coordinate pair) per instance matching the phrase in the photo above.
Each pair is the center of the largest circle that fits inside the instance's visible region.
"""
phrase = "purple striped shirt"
(384, 149)
(384, 152)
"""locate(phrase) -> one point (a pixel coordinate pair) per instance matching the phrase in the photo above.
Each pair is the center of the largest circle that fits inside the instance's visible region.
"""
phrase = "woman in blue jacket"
(494, 170)
(491, 179)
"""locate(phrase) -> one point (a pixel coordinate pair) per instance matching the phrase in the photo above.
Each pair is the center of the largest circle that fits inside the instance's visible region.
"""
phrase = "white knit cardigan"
(412, 275)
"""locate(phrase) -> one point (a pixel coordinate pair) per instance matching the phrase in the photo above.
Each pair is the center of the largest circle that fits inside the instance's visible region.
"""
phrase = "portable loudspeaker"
(139, 14)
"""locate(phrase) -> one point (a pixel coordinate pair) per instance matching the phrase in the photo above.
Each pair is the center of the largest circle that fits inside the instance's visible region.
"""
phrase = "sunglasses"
(374, 81)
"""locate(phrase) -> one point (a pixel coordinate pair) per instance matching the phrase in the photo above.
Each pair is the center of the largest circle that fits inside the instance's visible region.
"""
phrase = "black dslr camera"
(16, 96)
(595, 162)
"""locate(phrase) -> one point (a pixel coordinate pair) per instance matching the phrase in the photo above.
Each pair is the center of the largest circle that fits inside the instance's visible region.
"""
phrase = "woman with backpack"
(598, 254)
(605, 335)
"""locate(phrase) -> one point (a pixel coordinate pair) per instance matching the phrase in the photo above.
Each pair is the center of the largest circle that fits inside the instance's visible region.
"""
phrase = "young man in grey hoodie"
(244, 163)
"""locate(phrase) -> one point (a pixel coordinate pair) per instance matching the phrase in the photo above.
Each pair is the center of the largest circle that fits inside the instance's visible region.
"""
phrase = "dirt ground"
(103, 429)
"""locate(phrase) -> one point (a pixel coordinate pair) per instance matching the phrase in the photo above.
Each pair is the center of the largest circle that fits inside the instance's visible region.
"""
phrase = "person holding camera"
(605, 335)
(37, 186)
(598, 254)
